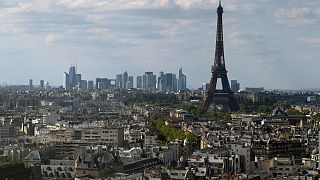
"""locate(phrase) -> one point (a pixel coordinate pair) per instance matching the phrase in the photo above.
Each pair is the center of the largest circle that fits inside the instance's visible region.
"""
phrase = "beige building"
(108, 136)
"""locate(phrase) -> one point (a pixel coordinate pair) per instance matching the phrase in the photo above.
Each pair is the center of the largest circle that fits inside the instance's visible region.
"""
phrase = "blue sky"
(270, 43)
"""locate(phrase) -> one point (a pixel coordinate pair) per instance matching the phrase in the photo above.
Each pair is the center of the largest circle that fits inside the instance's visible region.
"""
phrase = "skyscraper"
(102, 85)
(124, 80)
(30, 84)
(72, 79)
(182, 82)
(105, 83)
(149, 81)
(41, 84)
(171, 82)
(72, 76)
(162, 82)
(139, 82)
(167, 82)
(119, 81)
(78, 79)
(46, 85)
(66, 81)
(130, 82)
(90, 85)
(83, 85)
(235, 86)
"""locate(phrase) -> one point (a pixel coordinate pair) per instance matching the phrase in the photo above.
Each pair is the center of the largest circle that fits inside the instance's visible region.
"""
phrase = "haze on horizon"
(268, 43)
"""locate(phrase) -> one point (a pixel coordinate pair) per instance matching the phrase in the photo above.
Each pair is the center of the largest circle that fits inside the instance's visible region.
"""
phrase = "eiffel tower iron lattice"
(224, 96)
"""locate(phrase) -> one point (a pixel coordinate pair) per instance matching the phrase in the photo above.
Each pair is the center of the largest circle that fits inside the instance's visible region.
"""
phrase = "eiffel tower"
(225, 96)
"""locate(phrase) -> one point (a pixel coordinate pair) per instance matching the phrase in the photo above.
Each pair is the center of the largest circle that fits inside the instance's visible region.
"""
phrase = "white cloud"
(33, 6)
(51, 38)
(297, 16)
(95, 17)
(244, 8)
(20, 8)
(77, 3)
(137, 4)
(311, 41)
(245, 38)
(292, 13)
(97, 31)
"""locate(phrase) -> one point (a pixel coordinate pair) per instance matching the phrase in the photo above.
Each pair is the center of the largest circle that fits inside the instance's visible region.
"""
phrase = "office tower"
(124, 80)
(171, 82)
(66, 81)
(41, 84)
(139, 82)
(119, 81)
(78, 79)
(102, 85)
(46, 85)
(112, 84)
(72, 76)
(182, 82)
(130, 82)
(30, 84)
(174, 83)
(167, 82)
(162, 81)
(83, 85)
(71, 79)
(205, 86)
(106, 83)
(144, 82)
(149, 81)
(90, 85)
(235, 86)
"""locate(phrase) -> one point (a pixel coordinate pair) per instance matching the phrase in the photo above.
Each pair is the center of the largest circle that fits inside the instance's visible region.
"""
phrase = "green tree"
(264, 109)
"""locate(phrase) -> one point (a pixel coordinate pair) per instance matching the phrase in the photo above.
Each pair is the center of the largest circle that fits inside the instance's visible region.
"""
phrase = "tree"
(242, 107)
(264, 109)
(227, 117)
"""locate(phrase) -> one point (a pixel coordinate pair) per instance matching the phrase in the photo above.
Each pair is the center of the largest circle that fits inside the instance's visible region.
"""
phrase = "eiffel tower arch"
(223, 97)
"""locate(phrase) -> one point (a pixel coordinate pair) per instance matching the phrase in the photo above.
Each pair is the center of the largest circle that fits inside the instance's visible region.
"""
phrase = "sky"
(268, 43)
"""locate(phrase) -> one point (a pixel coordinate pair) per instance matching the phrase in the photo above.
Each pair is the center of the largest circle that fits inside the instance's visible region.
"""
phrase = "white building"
(131, 155)
(244, 155)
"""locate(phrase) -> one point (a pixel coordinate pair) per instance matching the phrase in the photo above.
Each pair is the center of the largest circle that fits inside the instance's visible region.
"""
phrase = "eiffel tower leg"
(209, 98)
(225, 83)
(233, 104)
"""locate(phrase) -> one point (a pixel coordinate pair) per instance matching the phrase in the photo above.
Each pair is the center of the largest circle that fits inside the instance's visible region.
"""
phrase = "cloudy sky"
(270, 43)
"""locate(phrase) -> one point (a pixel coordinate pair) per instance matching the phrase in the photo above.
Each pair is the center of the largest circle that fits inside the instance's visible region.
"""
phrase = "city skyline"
(165, 82)
(267, 41)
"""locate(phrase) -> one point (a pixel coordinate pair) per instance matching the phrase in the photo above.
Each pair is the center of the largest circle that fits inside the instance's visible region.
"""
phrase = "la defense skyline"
(165, 82)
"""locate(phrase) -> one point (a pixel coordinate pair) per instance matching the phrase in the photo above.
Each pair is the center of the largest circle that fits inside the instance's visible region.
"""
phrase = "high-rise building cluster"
(42, 85)
(72, 80)
(166, 82)
(124, 81)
